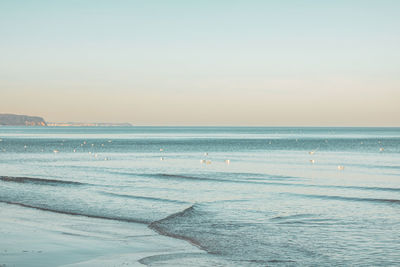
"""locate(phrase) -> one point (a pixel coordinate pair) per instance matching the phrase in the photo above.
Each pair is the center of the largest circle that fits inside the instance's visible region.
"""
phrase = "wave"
(259, 176)
(280, 261)
(185, 177)
(205, 179)
(374, 188)
(247, 176)
(255, 180)
(197, 259)
(150, 260)
(305, 218)
(157, 226)
(75, 213)
(294, 216)
(177, 177)
(40, 181)
(389, 167)
(203, 259)
(393, 167)
(259, 181)
(375, 200)
(144, 198)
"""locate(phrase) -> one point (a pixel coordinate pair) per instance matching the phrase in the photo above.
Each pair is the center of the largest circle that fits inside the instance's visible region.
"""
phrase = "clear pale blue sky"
(202, 62)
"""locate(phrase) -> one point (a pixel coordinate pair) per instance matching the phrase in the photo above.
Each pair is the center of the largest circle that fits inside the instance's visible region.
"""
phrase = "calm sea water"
(247, 196)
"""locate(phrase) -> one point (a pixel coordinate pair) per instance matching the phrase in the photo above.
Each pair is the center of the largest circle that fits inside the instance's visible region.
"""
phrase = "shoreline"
(33, 237)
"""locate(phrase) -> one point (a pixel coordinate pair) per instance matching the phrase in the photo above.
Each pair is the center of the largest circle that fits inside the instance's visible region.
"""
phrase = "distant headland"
(25, 120)
(77, 124)
(21, 120)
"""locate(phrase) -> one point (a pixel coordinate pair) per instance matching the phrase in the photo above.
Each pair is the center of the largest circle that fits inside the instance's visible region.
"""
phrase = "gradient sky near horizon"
(289, 63)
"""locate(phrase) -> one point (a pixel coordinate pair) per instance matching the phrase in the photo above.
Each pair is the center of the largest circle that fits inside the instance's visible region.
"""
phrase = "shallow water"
(281, 200)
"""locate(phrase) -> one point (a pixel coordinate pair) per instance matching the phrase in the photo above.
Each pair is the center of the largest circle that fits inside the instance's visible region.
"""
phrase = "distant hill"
(79, 124)
(21, 120)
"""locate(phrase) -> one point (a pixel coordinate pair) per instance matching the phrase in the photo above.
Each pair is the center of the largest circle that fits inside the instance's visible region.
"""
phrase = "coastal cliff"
(87, 124)
(21, 120)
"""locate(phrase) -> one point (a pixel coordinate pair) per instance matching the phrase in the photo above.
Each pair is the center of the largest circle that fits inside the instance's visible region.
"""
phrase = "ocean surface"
(249, 196)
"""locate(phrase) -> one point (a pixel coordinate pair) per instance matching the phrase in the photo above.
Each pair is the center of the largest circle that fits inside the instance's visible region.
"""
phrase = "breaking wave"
(39, 181)
(344, 198)
(144, 198)
(77, 213)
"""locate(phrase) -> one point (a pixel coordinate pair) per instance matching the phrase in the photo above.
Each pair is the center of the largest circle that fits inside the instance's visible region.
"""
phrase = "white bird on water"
(340, 168)
(313, 151)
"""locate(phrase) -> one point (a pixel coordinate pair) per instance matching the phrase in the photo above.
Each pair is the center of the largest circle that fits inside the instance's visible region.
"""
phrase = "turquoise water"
(249, 196)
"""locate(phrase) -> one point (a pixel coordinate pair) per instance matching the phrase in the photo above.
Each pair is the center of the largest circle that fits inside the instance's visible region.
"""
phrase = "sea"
(246, 196)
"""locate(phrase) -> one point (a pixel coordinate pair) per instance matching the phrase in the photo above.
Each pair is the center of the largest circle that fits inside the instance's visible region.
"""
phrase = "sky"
(169, 62)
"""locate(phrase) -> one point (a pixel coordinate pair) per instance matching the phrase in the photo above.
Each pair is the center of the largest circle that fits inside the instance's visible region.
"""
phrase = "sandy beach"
(31, 237)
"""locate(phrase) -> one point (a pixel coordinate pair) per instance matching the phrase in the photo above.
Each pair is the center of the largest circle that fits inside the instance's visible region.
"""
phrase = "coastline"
(32, 237)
